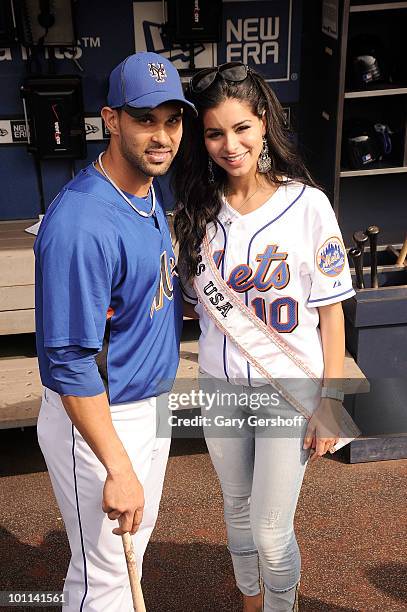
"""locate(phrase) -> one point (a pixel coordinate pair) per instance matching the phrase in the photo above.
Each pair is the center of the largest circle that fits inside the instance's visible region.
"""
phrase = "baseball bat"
(136, 592)
(373, 232)
(403, 253)
(356, 256)
(360, 240)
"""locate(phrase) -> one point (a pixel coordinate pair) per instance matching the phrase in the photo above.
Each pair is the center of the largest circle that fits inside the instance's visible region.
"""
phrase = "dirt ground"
(350, 524)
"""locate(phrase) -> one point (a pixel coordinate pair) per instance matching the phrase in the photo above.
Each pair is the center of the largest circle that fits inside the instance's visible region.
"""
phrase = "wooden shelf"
(374, 171)
(364, 8)
(397, 91)
(381, 196)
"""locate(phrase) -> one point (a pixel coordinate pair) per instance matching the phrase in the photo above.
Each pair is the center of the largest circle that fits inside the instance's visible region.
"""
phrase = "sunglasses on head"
(232, 71)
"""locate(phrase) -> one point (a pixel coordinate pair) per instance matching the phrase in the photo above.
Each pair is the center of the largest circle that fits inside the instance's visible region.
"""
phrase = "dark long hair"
(198, 200)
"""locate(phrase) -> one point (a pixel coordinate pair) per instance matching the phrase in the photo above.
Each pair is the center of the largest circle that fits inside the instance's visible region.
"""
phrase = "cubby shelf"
(338, 125)
(333, 107)
(364, 8)
(397, 91)
(374, 171)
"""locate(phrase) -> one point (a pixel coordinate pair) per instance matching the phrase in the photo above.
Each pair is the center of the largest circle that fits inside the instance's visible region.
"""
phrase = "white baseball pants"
(97, 579)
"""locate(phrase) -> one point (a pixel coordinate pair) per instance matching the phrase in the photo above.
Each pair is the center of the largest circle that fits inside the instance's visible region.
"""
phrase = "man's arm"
(123, 496)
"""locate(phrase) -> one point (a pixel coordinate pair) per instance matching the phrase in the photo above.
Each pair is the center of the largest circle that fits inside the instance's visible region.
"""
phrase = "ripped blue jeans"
(260, 469)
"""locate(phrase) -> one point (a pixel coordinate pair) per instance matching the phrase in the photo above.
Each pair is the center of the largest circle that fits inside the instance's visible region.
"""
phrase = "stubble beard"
(141, 165)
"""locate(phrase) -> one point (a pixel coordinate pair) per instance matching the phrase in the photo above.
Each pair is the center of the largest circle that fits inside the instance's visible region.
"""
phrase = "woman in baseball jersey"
(263, 265)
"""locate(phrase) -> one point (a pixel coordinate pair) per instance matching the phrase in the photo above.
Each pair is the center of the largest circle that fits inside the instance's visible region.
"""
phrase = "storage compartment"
(374, 200)
(373, 132)
(359, 76)
(376, 336)
(377, 47)
(391, 277)
(386, 257)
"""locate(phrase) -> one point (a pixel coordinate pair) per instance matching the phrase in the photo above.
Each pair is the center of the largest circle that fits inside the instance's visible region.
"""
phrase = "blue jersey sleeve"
(77, 268)
(74, 371)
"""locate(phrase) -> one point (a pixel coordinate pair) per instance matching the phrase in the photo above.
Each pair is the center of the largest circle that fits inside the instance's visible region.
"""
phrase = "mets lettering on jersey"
(242, 277)
(165, 287)
(282, 260)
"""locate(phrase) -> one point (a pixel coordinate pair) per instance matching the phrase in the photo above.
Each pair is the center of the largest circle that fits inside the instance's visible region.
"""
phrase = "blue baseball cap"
(143, 81)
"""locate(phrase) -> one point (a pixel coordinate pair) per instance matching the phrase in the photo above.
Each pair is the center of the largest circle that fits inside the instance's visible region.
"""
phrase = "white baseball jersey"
(284, 260)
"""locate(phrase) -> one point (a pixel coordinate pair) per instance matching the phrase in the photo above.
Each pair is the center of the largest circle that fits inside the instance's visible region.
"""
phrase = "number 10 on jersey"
(282, 314)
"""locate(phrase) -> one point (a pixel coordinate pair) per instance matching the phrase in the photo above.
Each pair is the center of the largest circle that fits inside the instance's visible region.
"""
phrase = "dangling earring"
(211, 176)
(264, 161)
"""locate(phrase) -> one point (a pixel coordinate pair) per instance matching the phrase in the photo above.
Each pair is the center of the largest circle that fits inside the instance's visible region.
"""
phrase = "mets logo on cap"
(157, 71)
(331, 257)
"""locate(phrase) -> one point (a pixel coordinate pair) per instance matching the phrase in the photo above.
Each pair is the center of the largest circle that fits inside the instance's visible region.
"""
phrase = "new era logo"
(91, 128)
(157, 71)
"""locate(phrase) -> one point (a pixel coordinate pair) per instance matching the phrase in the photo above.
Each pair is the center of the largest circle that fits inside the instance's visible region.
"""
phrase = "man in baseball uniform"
(108, 324)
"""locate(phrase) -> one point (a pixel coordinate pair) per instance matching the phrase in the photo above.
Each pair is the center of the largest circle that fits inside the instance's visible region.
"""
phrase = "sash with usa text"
(262, 346)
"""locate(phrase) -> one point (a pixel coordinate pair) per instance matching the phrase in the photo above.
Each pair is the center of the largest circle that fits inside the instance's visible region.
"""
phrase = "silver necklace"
(230, 219)
(142, 213)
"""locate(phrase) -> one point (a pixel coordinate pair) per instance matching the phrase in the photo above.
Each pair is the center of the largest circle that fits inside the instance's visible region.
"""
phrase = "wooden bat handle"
(136, 592)
(356, 256)
(403, 253)
(372, 232)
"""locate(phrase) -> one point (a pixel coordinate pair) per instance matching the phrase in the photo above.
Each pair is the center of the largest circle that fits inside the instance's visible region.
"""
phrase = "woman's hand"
(323, 427)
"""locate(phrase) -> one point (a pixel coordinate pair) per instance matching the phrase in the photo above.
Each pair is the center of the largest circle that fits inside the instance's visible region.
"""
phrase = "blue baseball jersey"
(108, 310)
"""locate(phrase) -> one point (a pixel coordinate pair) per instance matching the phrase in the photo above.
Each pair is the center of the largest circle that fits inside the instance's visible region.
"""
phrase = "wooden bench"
(20, 392)
(21, 389)
(20, 385)
(16, 278)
